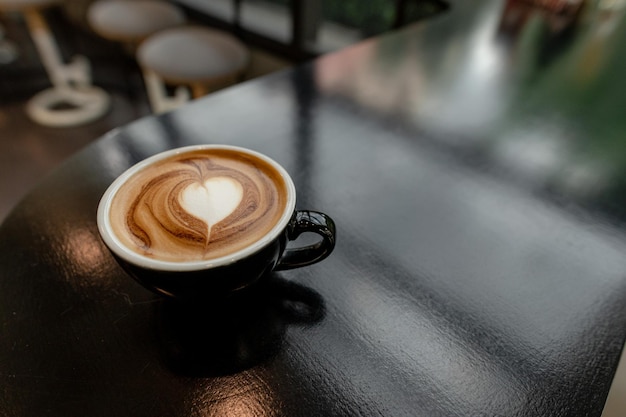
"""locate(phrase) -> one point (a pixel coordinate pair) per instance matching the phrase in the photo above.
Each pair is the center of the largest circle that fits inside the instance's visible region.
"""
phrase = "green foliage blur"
(371, 17)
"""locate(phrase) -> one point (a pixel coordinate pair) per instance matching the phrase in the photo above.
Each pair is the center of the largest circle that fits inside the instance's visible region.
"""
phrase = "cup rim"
(121, 250)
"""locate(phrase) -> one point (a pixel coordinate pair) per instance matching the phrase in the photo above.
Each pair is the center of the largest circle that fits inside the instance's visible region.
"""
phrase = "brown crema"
(152, 215)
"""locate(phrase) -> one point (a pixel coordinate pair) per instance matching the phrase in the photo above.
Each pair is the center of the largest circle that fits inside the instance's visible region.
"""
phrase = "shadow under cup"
(221, 276)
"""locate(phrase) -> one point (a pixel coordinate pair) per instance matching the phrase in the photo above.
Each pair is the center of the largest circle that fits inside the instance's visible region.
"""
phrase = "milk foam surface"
(200, 205)
(213, 200)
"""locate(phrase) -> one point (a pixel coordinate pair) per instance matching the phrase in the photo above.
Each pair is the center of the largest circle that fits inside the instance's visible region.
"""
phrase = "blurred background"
(276, 33)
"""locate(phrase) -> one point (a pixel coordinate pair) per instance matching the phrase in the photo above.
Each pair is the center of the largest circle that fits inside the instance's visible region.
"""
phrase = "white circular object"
(121, 250)
(65, 107)
(122, 20)
(192, 54)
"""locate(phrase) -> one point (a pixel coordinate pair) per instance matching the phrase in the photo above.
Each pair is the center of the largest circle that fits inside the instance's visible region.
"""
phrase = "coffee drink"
(204, 221)
(199, 205)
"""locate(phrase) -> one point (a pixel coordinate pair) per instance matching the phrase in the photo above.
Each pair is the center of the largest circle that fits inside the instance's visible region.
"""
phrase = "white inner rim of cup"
(121, 250)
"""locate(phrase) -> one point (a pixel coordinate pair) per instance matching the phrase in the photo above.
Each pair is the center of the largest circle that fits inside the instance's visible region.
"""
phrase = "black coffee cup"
(224, 275)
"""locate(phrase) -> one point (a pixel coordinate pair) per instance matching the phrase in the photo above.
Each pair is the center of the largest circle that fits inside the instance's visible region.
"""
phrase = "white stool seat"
(193, 55)
(189, 56)
(132, 21)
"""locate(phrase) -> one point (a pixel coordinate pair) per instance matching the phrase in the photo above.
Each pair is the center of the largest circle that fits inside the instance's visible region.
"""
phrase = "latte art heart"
(212, 201)
(198, 206)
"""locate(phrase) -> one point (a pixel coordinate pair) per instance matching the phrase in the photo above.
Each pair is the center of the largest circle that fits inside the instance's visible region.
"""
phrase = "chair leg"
(77, 72)
(71, 82)
(160, 101)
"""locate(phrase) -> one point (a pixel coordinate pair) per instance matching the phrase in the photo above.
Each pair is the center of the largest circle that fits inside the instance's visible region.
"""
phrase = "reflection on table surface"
(473, 166)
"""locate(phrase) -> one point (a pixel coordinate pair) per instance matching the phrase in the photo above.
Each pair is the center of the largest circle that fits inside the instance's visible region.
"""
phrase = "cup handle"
(308, 221)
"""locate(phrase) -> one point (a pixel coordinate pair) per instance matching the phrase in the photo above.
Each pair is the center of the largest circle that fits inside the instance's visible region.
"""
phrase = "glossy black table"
(475, 167)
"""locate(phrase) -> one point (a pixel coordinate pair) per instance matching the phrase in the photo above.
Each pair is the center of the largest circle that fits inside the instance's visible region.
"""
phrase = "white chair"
(130, 22)
(196, 59)
(72, 100)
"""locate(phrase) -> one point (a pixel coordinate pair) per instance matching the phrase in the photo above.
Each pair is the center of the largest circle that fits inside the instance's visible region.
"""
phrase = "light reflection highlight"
(242, 395)
(454, 368)
(86, 249)
(533, 156)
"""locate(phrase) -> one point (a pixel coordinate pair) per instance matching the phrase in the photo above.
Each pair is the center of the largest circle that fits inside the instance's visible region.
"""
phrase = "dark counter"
(475, 168)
